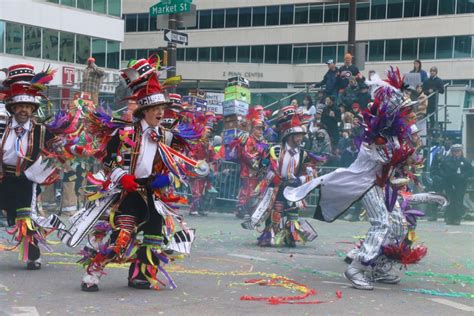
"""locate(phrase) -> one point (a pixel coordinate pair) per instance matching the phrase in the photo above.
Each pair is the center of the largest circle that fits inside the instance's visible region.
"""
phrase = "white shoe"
(358, 278)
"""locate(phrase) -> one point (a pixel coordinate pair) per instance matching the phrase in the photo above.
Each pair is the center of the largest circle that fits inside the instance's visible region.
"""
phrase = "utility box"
(468, 133)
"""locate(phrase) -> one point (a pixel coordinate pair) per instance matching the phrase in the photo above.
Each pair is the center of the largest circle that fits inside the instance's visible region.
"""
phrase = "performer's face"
(23, 112)
(295, 140)
(258, 131)
(153, 115)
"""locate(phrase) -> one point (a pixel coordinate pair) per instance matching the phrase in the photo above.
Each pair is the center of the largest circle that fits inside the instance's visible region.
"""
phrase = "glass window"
(243, 54)
(341, 51)
(284, 54)
(301, 14)
(427, 48)
(84, 4)
(314, 54)
(258, 16)
(447, 7)
(330, 13)
(114, 7)
(245, 17)
(444, 47)
(205, 19)
(153, 26)
(204, 54)
(392, 49)
(343, 12)
(217, 54)
(409, 49)
(50, 44)
(142, 22)
(142, 53)
(395, 8)
(99, 6)
(180, 54)
(53, 1)
(363, 11)
(462, 46)
(412, 8)
(129, 54)
(83, 49)
(231, 17)
(113, 54)
(99, 51)
(273, 15)
(230, 54)
(316, 13)
(66, 48)
(130, 22)
(14, 39)
(218, 18)
(287, 13)
(464, 6)
(378, 8)
(257, 54)
(329, 52)
(32, 41)
(271, 54)
(299, 54)
(2, 36)
(69, 3)
(429, 7)
(376, 50)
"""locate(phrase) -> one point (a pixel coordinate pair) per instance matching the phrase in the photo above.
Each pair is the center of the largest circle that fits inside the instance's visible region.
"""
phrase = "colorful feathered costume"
(142, 161)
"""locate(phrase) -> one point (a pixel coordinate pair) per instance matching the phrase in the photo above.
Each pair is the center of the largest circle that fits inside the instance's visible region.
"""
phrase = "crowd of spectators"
(344, 95)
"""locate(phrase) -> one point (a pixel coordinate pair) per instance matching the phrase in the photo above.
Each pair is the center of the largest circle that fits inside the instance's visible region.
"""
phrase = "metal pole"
(172, 25)
(352, 28)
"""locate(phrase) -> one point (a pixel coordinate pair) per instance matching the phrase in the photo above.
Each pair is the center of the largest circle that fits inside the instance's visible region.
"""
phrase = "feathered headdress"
(23, 86)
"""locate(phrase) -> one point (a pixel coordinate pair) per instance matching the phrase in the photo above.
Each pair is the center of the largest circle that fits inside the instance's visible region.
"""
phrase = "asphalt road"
(212, 280)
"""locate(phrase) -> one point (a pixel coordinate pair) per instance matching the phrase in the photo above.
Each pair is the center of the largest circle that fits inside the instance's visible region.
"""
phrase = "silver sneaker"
(383, 277)
(358, 278)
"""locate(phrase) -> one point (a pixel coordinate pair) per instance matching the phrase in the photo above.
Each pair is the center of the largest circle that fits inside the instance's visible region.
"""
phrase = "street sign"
(185, 19)
(176, 37)
(170, 7)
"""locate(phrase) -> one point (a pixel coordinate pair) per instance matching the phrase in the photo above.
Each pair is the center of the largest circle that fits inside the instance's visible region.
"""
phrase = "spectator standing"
(363, 97)
(92, 79)
(331, 79)
(350, 94)
(330, 118)
(455, 171)
(322, 143)
(347, 71)
(417, 69)
(433, 84)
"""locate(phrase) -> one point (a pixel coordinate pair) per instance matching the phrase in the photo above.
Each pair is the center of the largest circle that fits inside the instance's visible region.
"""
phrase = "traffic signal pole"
(172, 25)
(351, 41)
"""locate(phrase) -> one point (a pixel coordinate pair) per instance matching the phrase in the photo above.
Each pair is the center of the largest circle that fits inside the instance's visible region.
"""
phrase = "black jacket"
(346, 72)
(331, 80)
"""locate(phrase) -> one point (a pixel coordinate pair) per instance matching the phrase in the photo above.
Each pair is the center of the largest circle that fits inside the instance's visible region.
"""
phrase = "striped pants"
(385, 227)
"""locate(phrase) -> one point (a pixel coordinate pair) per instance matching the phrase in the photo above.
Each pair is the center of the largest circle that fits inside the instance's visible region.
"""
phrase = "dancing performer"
(22, 163)
(386, 145)
(141, 159)
(254, 157)
(203, 151)
(290, 165)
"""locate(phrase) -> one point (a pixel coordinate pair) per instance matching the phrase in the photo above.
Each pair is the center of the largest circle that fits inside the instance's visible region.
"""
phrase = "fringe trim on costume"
(25, 233)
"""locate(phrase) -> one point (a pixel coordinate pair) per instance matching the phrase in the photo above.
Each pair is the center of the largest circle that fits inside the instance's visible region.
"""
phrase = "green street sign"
(170, 7)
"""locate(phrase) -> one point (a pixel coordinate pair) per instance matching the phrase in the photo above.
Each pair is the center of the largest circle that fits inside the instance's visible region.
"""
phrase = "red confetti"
(339, 294)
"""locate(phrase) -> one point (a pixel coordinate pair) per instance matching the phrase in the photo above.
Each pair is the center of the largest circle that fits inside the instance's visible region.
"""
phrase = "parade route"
(213, 279)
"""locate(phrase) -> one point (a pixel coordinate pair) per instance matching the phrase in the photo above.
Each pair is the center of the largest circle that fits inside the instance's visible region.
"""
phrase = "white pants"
(386, 227)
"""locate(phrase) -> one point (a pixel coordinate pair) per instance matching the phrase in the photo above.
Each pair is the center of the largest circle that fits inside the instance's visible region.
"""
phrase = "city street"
(213, 279)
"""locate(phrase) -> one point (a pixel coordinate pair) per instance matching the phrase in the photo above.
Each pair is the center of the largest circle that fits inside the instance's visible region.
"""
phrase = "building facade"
(63, 34)
(285, 43)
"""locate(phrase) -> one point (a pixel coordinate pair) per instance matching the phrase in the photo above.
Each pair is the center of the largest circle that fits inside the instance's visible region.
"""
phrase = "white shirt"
(147, 153)
(10, 156)
(289, 165)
